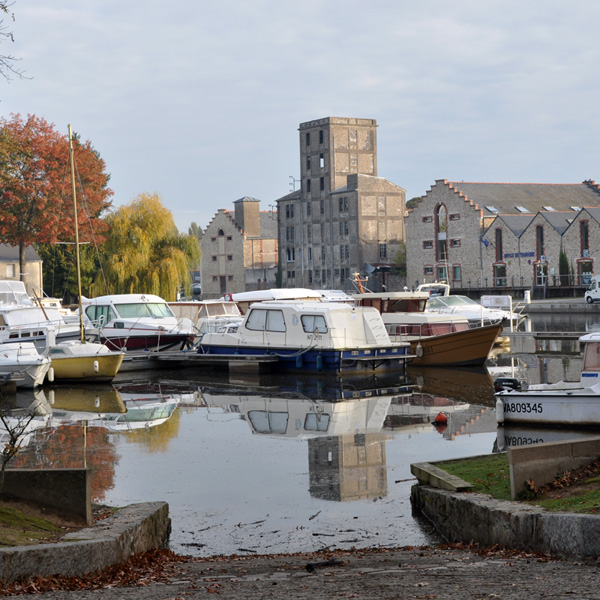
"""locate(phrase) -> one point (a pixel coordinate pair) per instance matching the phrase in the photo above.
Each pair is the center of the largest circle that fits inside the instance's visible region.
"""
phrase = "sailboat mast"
(81, 328)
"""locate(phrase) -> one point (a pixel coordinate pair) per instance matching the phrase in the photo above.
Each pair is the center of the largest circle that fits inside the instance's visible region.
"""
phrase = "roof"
(367, 183)
(11, 253)
(507, 198)
(516, 223)
(268, 224)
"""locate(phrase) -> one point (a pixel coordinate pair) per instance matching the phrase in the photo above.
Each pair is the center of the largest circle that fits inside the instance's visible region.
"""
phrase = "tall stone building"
(239, 250)
(344, 218)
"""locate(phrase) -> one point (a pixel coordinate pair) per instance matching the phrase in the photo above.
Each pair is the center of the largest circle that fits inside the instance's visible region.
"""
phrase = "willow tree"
(145, 253)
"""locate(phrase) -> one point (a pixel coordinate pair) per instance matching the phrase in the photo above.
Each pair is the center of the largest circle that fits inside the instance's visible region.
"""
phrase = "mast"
(71, 155)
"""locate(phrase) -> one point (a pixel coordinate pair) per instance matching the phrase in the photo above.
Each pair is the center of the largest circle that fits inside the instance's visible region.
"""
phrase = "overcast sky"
(200, 101)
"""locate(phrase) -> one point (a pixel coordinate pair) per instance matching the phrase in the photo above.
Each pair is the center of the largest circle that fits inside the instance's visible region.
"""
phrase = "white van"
(592, 294)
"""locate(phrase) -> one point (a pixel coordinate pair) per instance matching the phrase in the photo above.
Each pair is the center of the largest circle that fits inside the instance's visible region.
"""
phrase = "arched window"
(221, 232)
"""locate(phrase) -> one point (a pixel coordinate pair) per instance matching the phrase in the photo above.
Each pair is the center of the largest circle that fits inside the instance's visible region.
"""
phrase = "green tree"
(195, 229)
(401, 260)
(145, 253)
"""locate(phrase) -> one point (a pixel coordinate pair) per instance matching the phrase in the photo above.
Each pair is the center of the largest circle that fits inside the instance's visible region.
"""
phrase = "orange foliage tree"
(35, 194)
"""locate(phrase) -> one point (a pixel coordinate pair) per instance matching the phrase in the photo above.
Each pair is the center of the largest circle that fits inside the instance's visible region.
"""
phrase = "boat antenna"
(71, 155)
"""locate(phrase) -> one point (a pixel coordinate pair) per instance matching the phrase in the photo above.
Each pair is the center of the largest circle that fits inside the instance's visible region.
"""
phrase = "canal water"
(283, 464)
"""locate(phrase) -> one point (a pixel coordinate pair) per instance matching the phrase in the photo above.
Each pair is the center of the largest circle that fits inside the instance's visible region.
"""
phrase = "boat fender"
(499, 410)
(96, 366)
(50, 374)
(419, 350)
(51, 396)
(441, 419)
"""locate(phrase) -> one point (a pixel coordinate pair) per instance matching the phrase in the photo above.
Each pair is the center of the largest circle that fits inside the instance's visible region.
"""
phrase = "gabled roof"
(10, 253)
(559, 220)
(507, 198)
(367, 183)
(516, 223)
(268, 224)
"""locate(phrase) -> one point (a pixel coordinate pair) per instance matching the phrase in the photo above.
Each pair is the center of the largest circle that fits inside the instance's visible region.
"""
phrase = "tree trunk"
(22, 261)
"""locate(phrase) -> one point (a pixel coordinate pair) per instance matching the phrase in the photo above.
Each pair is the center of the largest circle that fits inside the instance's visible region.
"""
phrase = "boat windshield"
(143, 309)
(443, 301)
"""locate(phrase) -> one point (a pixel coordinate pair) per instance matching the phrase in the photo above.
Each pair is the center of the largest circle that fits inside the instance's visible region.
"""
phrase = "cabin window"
(102, 313)
(265, 320)
(591, 358)
(144, 309)
(317, 422)
(314, 324)
(268, 422)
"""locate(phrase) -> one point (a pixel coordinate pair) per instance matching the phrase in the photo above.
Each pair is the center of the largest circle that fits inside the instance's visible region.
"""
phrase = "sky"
(200, 102)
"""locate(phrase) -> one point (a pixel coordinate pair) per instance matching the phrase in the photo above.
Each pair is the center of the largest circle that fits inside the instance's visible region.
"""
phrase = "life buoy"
(228, 297)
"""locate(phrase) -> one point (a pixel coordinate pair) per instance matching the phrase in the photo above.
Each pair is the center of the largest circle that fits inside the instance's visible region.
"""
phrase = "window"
(492, 209)
(322, 183)
(221, 233)
(382, 250)
(265, 320)
(309, 253)
(321, 161)
(455, 243)
(308, 186)
(308, 208)
(229, 277)
(427, 270)
(343, 204)
(584, 234)
(229, 238)
(289, 233)
(214, 258)
(442, 273)
(500, 275)
(322, 205)
(215, 278)
(289, 211)
(229, 257)
(213, 239)
(427, 244)
(290, 254)
(320, 136)
(314, 323)
(308, 164)
(427, 219)
(549, 208)
(499, 249)
(291, 274)
(522, 209)
(539, 242)
(308, 138)
(456, 273)
(455, 217)
(10, 271)
(343, 228)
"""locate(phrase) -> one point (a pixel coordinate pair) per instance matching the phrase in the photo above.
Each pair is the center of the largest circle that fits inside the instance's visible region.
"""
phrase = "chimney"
(247, 215)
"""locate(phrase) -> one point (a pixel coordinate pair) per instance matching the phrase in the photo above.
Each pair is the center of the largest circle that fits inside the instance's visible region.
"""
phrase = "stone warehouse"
(504, 235)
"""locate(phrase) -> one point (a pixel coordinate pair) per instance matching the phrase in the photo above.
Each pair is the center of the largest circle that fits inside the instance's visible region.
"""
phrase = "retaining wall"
(469, 517)
(131, 530)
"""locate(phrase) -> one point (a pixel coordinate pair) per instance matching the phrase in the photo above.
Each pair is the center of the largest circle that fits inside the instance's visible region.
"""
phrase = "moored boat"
(22, 363)
(311, 336)
(136, 322)
(563, 403)
(435, 339)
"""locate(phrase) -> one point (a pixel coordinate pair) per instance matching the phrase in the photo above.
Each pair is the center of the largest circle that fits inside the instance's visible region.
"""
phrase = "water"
(284, 464)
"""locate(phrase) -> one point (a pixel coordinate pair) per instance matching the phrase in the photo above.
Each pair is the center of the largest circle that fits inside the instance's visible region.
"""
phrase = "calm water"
(280, 464)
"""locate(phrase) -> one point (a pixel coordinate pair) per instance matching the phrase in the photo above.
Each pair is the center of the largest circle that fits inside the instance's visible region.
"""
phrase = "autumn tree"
(145, 253)
(36, 206)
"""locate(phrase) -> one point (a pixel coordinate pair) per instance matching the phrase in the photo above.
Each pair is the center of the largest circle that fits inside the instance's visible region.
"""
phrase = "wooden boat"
(81, 360)
(563, 403)
(435, 339)
(311, 336)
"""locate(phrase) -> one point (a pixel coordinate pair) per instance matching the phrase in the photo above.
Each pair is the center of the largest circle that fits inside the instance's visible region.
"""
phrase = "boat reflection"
(515, 437)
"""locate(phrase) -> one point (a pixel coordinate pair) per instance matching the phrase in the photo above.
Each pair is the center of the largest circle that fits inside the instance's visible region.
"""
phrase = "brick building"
(501, 235)
(239, 250)
(344, 218)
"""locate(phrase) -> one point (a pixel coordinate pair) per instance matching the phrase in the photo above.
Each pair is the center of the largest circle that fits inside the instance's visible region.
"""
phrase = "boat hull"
(470, 347)
(560, 409)
(95, 368)
(323, 359)
(149, 342)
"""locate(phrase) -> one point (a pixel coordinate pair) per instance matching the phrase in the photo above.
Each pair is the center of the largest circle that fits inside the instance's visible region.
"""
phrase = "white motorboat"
(22, 321)
(311, 336)
(136, 322)
(562, 403)
(208, 315)
(22, 363)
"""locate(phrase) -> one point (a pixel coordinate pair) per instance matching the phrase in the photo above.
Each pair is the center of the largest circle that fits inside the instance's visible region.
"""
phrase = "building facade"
(239, 250)
(495, 235)
(9, 268)
(344, 218)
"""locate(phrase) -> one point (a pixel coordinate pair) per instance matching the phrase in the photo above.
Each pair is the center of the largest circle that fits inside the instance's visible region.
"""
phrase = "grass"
(490, 475)
(20, 529)
(487, 474)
